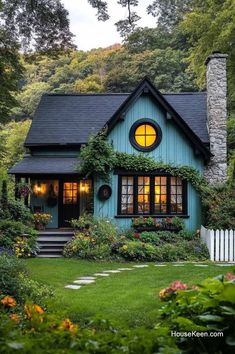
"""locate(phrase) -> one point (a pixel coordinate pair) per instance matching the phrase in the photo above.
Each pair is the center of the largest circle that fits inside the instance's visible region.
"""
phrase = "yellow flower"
(8, 301)
(125, 248)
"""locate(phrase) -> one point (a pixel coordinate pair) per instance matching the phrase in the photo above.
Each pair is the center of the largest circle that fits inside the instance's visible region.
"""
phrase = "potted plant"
(41, 220)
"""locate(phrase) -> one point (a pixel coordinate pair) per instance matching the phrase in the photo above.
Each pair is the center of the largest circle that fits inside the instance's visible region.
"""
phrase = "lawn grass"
(128, 298)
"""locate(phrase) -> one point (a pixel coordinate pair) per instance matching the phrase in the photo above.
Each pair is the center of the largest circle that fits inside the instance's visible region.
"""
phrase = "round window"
(145, 135)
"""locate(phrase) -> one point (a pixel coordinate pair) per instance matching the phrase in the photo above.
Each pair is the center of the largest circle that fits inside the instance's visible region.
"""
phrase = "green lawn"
(127, 298)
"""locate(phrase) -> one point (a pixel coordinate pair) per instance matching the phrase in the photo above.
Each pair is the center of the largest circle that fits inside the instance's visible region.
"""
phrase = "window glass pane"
(127, 195)
(140, 130)
(176, 195)
(150, 130)
(160, 198)
(143, 198)
(150, 140)
(140, 139)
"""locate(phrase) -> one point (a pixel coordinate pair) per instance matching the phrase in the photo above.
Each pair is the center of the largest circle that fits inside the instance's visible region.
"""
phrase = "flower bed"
(153, 224)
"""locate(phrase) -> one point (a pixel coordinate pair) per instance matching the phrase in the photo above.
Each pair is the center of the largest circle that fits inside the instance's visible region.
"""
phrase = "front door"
(69, 202)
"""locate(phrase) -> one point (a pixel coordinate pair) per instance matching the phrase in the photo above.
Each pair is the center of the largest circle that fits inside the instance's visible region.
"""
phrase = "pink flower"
(178, 285)
(229, 276)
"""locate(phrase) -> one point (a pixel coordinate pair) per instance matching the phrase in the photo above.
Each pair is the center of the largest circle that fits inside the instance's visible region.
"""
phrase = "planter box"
(141, 228)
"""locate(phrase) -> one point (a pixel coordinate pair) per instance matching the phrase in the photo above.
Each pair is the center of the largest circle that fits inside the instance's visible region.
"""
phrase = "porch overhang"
(45, 165)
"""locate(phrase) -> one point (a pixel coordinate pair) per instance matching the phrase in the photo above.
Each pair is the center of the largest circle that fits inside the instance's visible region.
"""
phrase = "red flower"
(136, 235)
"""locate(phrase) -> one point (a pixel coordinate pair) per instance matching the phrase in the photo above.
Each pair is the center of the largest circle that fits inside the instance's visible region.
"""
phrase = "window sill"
(185, 216)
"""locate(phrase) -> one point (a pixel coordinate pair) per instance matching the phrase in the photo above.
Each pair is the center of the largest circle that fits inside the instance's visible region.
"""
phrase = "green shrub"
(10, 269)
(17, 211)
(209, 307)
(182, 250)
(219, 206)
(11, 237)
(14, 281)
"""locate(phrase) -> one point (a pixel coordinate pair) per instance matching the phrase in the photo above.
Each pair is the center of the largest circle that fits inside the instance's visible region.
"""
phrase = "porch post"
(17, 180)
(26, 199)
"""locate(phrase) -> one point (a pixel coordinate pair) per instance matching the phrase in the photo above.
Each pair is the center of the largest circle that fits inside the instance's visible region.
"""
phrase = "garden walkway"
(86, 280)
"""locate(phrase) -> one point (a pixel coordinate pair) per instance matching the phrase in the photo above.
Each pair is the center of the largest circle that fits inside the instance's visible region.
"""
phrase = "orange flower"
(8, 301)
(15, 317)
(33, 309)
(68, 326)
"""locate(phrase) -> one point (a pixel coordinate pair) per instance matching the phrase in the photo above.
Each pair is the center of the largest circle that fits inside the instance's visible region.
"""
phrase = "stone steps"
(52, 243)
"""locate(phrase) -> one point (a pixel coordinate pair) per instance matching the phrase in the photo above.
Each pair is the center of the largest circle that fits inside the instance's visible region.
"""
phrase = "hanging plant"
(24, 189)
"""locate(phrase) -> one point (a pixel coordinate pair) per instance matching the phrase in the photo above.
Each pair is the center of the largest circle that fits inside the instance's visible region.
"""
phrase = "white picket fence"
(220, 243)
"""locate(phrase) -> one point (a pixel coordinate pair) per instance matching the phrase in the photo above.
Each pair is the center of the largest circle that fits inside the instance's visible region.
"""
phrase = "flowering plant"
(42, 218)
(170, 291)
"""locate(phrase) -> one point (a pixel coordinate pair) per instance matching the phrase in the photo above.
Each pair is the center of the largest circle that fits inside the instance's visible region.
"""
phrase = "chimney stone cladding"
(216, 170)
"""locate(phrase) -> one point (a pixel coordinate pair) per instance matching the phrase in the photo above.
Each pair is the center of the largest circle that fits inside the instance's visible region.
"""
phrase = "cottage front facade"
(179, 129)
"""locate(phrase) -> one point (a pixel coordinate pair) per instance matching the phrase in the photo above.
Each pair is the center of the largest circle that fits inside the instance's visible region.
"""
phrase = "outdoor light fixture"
(39, 188)
(84, 186)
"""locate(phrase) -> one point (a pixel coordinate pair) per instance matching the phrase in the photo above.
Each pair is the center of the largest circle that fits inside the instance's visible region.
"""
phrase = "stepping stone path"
(178, 265)
(140, 266)
(159, 265)
(200, 265)
(112, 271)
(74, 287)
(102, 274)
(225, 265)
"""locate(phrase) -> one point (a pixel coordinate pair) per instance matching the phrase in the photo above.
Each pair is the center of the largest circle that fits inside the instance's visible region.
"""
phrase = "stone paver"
(83, 282)
(74, 287)
(200, 265)
(87, 278)
(140, 266)
(102, 274)
(112, 271)
(178, 265)
(159, 265)
(125, 269)
(224, 265)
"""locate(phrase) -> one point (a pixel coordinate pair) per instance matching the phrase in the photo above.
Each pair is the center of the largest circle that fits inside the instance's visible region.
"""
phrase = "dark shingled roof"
(45, 165)
(70, 119)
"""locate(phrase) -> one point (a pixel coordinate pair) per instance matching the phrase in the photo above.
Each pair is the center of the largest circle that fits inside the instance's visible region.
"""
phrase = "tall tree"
(42, 25)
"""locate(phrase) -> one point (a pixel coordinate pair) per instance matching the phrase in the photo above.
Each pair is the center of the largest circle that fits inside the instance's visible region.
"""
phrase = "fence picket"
(211, 238)
(220, 243)
(231, 247)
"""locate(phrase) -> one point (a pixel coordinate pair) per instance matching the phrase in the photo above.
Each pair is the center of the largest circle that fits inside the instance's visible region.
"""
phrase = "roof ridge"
(87, 94)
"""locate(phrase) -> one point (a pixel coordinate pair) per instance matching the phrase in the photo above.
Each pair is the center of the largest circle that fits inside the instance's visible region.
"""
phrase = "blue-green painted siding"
(41, 201)
(175, 148)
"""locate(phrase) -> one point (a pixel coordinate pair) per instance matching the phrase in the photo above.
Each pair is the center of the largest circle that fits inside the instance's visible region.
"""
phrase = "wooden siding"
(174, 148)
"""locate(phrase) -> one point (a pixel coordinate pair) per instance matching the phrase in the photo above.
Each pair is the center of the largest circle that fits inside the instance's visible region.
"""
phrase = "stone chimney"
(216, 170)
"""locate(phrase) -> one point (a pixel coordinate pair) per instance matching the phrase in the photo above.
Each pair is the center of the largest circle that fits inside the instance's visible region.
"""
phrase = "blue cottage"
(179, 129)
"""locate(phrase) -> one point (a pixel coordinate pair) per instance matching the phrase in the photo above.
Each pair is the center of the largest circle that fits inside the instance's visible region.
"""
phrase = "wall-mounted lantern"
(84, 186)
(39, 189)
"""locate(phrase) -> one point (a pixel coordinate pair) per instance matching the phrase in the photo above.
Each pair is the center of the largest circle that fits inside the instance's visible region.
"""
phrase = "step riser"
(52, 243)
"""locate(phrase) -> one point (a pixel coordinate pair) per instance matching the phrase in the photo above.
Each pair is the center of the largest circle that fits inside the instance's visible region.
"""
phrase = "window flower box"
(152, 224)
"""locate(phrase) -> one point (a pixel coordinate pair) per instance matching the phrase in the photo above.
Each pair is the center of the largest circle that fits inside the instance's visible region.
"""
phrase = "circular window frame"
(132, 135)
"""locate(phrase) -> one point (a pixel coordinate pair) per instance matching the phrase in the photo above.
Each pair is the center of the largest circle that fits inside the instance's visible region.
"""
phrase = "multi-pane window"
(145, 135)
(152, 195)
(70, 193)
(127, 195)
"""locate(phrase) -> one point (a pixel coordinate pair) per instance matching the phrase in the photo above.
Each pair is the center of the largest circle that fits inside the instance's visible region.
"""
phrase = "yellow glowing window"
(145, 135)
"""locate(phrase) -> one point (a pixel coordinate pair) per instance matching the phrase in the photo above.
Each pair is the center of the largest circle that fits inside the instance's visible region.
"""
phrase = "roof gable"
(146, 87)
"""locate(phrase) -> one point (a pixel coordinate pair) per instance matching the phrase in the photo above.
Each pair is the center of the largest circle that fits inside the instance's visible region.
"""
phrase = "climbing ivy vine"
(98, 158)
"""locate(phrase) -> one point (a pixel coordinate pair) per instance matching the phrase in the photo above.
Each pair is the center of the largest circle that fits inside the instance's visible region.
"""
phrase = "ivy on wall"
(98, 158)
